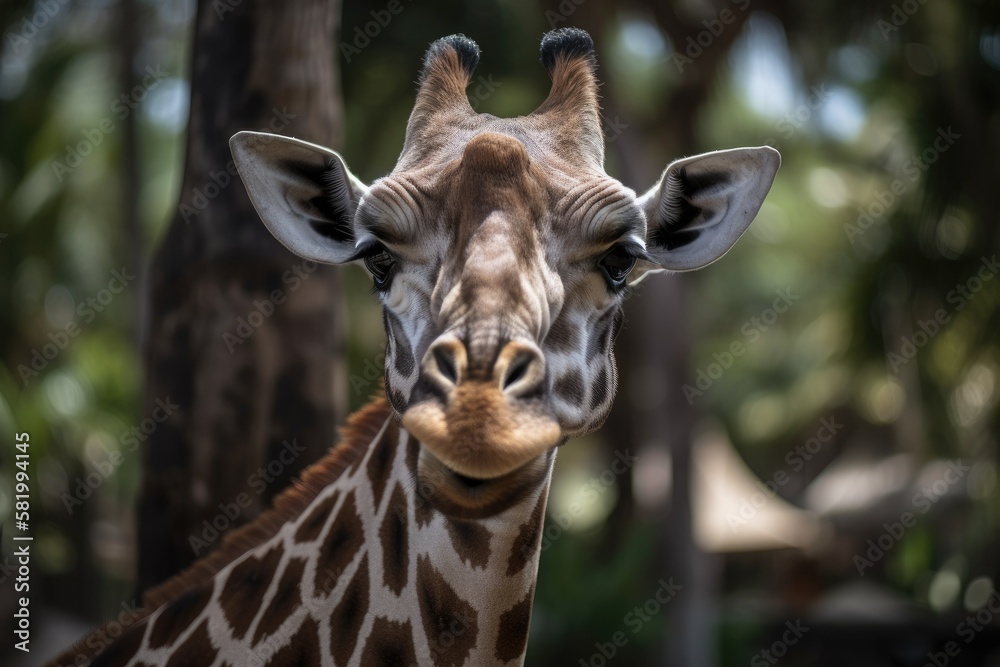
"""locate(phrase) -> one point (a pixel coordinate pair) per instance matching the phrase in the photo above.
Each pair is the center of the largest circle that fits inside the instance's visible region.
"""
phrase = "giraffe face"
(502, 270)
(502, 251)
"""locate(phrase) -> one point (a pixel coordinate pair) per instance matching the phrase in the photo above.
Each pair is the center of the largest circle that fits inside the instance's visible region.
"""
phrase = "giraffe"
(501, 252)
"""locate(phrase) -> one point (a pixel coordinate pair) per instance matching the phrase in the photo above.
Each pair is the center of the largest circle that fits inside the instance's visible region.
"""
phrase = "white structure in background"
(735, 510)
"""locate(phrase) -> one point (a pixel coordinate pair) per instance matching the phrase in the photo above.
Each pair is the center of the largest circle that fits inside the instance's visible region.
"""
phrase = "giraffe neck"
(367, 562)
(474, 575)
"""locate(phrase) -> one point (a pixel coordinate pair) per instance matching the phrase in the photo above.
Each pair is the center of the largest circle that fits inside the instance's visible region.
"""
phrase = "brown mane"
(355, 437)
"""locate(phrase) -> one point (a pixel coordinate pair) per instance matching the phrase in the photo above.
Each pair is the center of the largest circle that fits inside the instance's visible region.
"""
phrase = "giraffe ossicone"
(502, 253)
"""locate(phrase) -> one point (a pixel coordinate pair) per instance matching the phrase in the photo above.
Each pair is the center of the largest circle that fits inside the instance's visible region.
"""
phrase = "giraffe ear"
(703, 204)
(304, 193)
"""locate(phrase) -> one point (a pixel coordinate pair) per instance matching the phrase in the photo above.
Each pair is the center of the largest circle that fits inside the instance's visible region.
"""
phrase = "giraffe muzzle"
(483, 414)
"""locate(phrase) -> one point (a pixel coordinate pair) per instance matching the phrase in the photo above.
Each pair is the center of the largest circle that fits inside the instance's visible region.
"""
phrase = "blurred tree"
(241, 335)
(656, 342)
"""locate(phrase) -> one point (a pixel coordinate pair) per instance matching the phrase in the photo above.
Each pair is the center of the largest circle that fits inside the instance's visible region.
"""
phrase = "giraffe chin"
(480, 434)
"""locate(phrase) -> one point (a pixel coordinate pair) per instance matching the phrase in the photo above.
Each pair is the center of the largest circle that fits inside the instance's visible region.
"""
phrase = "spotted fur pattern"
(362, 564)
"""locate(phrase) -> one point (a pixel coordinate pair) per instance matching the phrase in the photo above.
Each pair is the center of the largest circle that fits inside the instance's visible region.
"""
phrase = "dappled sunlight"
(828, 188)
(858, 484)
(652, 481)
(882, 398)
(582, 495)
(842, 114)
(762, 66)
(762, 417)
(977, 593)
(953, 233)
(976, 393)
(65, 394)
(945, 587)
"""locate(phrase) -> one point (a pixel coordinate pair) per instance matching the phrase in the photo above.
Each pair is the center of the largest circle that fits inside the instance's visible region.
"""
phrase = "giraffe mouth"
(463, 497)
(469, 482)
(481, 434)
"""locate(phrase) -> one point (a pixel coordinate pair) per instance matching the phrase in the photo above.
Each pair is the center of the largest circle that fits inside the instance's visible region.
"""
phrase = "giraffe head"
(502, 251)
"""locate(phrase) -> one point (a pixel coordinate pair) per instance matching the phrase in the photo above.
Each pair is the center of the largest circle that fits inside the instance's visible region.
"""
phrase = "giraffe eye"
(380, 263)
(617, 264)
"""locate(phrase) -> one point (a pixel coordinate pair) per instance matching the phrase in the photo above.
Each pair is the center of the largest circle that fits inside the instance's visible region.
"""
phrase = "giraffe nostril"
(521, 371)
(446, 364)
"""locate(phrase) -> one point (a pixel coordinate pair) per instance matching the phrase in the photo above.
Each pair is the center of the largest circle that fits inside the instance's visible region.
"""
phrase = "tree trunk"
(128, 46)
(656, 337)
(241, 336)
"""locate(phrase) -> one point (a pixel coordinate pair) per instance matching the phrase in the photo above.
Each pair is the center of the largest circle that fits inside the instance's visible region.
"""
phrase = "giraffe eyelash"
(617, 263)
(382, 271)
